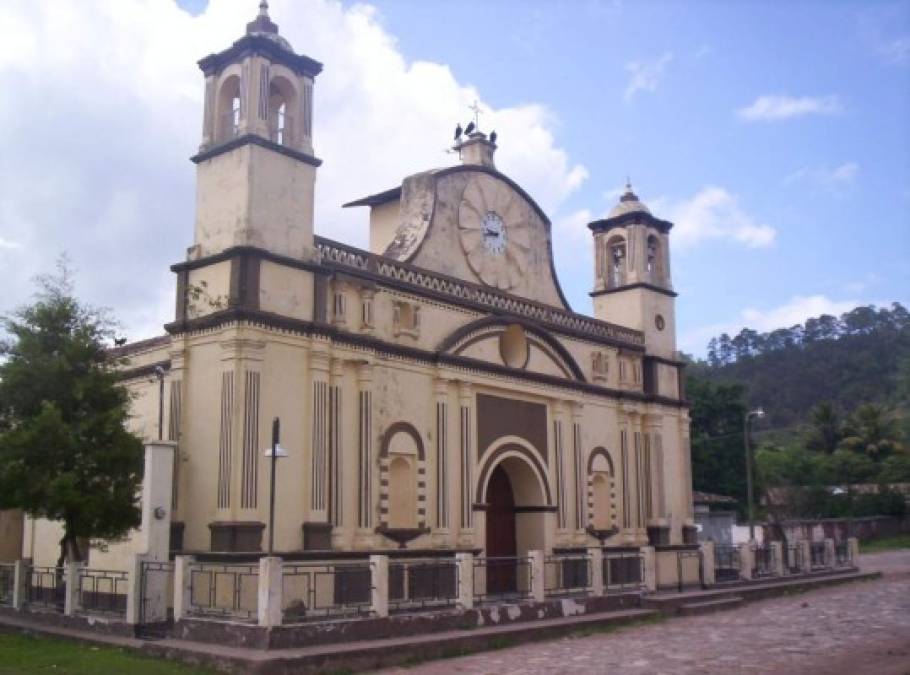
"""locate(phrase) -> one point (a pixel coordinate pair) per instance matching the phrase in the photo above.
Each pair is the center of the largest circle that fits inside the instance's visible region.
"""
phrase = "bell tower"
(256, 171)
(632, 284)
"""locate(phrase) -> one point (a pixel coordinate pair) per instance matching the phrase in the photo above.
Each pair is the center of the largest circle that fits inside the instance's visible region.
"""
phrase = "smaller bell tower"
(632, 284)
(256, 171)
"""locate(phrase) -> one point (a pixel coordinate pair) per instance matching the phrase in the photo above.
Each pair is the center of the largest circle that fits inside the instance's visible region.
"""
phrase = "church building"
(435, 392)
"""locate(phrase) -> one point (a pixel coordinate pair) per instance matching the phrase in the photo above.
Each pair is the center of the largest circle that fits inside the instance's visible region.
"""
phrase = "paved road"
(857, 629)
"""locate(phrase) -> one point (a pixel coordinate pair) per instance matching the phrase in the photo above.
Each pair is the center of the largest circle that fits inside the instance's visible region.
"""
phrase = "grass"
(28, 655)
(885, 544)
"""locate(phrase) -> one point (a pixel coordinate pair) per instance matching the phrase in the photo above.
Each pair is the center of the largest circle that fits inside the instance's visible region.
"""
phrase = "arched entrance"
(501, 540)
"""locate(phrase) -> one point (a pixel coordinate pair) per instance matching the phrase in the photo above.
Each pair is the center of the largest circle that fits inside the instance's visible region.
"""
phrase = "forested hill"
(861, 357)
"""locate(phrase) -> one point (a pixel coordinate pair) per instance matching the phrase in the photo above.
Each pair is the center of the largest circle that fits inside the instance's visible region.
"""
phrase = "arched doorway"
(501, 540)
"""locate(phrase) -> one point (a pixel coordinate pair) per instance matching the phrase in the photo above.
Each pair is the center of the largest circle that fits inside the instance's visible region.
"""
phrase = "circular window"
(659, 322)
(513, 347)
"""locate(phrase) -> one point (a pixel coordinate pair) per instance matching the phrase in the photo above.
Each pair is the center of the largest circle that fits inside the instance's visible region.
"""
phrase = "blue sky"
(776, 135)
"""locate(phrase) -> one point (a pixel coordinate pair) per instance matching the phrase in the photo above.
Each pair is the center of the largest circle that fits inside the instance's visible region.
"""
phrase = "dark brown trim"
(638, 284)
(377, 199)
(630, 218)
(233, 251)
(257, 44)
(405, 427)
(677, 547)
(629, 287)
(253, 139)
(600, 450)
(301, 327)
(494, 459)
(244, 282)
(458, 334)
(183, 280)
(665, 361)
(536, 509)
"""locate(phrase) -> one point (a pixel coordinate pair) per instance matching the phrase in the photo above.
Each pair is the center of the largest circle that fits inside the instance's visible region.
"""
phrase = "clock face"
(493, 233)
(493, 230)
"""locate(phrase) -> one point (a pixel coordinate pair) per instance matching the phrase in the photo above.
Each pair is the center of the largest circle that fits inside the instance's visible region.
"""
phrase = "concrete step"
(709, 606)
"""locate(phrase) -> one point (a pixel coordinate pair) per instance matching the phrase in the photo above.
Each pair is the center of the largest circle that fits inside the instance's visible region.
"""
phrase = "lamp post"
(758, 413)
(274, 453)
(159, 373)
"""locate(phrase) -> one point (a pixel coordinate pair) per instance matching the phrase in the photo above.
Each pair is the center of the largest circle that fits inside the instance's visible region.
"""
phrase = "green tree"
(65, 452)
(872, 431)
(826, 431)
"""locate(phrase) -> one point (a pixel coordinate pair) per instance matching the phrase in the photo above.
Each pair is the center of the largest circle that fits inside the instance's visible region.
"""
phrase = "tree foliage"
(65, 452)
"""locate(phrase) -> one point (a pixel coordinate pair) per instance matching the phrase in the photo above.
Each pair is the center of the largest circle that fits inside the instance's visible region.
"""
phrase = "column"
(183, 590)
(365, 446)
(440, 395)
(20, 578)
(175, 419)
(538, 579)
(466, 479)
(649, 563)
(578, 464)
(829, 552)
(805, 549)
(777, 558)
(562, 513)
(709, 577)
(853, 550)
(596, 560)
(71, 579)
(319, 414)
(157, 497)
(379, 595)
(336, 442)
(746, 561)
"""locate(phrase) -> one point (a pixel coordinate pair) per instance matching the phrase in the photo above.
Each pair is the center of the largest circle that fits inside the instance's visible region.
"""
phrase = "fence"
(793, 557)
(319, 590)
(422, 584)
(227, 591)
(44, 588)
(567, 575)
(763, 561)
(818, 556)
(726, 563)
(157, 580)
(842, 557)
(102, 591)
(623, 570)
(7, 584)
(502, 578)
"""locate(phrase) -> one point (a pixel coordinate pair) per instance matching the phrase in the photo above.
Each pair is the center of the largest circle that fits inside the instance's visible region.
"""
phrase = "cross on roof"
(476, 108)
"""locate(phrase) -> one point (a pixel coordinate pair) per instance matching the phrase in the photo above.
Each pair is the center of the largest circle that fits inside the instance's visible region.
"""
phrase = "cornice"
(253, 139)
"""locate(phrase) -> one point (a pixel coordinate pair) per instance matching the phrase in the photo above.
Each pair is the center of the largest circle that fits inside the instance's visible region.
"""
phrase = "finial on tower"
(264, 9)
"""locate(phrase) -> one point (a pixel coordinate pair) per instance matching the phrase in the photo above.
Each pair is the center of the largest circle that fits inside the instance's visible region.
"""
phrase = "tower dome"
(263, 26)
(628, 203)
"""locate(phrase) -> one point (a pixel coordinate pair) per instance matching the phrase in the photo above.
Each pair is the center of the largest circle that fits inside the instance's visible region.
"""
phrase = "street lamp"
(758, 413)
(159, 373)
(274, 453)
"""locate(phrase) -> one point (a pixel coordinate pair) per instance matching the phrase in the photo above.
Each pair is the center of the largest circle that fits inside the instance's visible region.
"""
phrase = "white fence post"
(649, 563)
(134, 589)
(777, 553)
(746, 561)
(538, 578)
(20, 578)
(708, 575)
(270, 591)
(829, 552)
(805, 548)
(182, 586)
(464, 568)
(71, 574)
(853, 550)
(379, 576)
(596, 561)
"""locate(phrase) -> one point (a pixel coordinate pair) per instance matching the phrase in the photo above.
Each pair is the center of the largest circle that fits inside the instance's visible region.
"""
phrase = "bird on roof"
(493, 137)
(469, 128)
(458, 132)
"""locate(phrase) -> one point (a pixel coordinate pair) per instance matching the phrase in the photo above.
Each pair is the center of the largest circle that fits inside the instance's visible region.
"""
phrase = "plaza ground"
(855, 628)
(852, 629)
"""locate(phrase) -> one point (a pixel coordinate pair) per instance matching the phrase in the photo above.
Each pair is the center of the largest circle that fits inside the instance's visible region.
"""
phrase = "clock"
(493, 233)
(493, 230)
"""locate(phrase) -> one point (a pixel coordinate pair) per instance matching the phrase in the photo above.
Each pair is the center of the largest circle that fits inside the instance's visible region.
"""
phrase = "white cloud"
(897, 51)
(826, 176)
(713, 213)
(645, 76)
(794, 311)
(774, 108)
(4, 243)
(105, 106)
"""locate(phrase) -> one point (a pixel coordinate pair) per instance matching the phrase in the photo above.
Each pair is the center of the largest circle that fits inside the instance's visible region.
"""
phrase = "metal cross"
(476, 109)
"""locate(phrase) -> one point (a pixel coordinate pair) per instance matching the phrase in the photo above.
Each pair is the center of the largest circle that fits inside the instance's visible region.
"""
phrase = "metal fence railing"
(502, 578)
(763, 561)
(44, 588)
(225, 591)
(7, 583)
(842, 556)
(102, 591)
(623, 570)
(422, 584)
(567, 575)
(793, 557)
(313, 590)
(726, 563)
(818, 555)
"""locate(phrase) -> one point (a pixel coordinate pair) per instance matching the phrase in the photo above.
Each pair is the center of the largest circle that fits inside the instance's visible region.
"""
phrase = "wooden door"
(500, 533)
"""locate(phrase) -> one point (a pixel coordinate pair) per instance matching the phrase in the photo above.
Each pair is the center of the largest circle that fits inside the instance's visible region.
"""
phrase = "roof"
(628, 203)
(139, 345)
(377, 199)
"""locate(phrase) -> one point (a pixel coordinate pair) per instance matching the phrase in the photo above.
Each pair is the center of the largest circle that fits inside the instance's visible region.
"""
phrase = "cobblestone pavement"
(861, 628)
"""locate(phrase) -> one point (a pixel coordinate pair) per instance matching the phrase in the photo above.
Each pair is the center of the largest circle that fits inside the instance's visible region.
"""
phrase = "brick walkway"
(851, 629)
